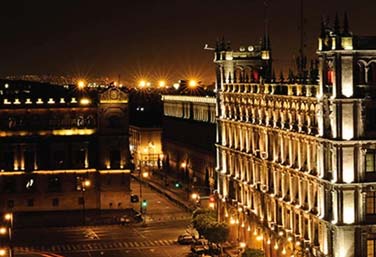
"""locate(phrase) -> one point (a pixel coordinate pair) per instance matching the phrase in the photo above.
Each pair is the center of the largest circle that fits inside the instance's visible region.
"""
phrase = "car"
(200, 244)
(214, 249)
(199, 249)
(185, 239)
(125, 219)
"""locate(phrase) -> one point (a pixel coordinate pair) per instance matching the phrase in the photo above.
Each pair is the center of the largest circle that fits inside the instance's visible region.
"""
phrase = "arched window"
(238, 75)
(255, 76)
(372, 73)
(360, 74)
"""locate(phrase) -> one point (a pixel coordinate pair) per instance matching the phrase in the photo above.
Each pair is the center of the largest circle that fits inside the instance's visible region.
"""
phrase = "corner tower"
(346, 122)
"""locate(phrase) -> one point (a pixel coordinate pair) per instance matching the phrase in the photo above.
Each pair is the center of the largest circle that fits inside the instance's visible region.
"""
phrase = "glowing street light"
(192, 83)
(87, 183)
(3, 230)
(194, 196)
(8, 216)
(162, 83)
(145, 174)
(3, 252)
(142, 83)
(81, 84)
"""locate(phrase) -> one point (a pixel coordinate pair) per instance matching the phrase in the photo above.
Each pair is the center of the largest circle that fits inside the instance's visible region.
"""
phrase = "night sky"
(156, 39)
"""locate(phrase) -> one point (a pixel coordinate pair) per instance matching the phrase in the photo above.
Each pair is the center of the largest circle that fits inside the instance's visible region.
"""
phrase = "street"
(157, 237)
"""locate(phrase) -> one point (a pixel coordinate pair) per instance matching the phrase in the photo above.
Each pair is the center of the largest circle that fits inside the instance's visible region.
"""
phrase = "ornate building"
(56, 142)
(296, 162)
(146, 147)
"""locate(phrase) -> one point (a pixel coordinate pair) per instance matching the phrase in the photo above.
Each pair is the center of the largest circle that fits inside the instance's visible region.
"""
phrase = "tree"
(205, 222)
(248, 252)
(217, 232)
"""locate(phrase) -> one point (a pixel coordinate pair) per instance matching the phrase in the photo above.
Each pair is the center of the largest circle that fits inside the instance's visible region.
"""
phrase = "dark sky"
(155, 39)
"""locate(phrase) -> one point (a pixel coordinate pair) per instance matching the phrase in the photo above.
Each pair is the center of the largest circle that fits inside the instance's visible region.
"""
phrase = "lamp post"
(85, 183)
(141, 175)
(8, 217)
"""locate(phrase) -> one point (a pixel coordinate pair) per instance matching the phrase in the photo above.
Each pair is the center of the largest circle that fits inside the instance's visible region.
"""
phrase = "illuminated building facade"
(296, 162)
(146, 147)
(189, 137)
(53, 138)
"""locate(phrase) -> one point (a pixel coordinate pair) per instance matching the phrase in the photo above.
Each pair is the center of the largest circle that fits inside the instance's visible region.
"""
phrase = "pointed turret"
(336, 25)
(346, 32)
(322, 28)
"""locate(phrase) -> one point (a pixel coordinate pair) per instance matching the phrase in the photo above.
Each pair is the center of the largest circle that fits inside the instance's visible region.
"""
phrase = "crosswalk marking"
(95, 245)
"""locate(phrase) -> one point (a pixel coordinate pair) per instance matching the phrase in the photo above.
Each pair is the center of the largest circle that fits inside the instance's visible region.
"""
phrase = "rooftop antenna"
(206, 47)
(301, 59)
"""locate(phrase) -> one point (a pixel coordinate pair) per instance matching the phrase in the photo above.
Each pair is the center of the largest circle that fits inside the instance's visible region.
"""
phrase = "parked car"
(199, 249)
(199, 244)
(185, 239)
(214, 249)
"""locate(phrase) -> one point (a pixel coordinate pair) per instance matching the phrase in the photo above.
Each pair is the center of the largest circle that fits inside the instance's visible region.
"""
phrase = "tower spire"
(346, 31)
(266, 40)
(336, 25)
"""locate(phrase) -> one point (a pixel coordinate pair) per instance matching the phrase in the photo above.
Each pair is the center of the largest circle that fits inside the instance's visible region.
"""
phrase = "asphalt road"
(156, 238)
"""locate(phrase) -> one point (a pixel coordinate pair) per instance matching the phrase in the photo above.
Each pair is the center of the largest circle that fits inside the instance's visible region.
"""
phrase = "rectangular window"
(370, 203)
(370, 161)
(371, 248)
(55, 202)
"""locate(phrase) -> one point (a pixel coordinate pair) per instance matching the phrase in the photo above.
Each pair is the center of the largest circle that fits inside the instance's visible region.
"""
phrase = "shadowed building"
(188, 139)
(296, 161)
(56, 142)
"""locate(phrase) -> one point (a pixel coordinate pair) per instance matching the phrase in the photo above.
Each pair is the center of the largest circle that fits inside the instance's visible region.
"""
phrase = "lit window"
(370, 161)
(371, 248)
(371, 203)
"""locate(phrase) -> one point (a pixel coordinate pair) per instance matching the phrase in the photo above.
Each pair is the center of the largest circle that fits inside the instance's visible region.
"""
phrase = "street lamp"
(4, 251)
(85, 183)
(162, 84)
(8, 217)
(81, 84)
(3, 230)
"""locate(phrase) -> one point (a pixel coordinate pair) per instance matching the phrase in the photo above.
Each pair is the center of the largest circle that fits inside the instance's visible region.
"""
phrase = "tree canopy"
(205, 222)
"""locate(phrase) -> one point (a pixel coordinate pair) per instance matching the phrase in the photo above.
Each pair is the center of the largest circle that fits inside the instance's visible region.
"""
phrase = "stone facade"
(52, 138)
(296, 162)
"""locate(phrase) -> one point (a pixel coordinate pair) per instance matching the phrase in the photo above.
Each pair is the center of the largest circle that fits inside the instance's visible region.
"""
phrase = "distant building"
(189, 138)
(62, 147)
(146, 147)
(296, 161)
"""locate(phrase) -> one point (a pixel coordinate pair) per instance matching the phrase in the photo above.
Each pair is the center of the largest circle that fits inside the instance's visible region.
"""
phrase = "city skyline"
(156, 40)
